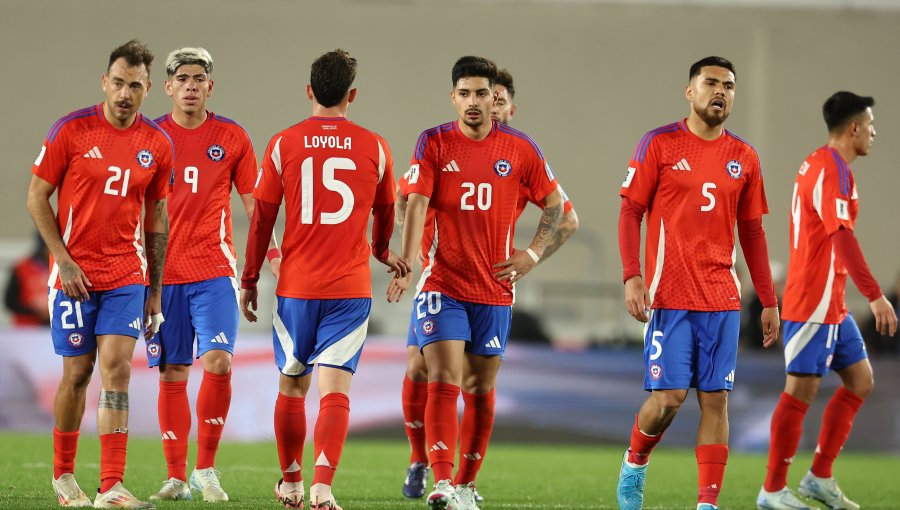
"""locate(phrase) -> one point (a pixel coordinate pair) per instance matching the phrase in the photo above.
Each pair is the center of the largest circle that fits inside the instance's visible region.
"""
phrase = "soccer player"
(331, 173)
(819, 333)
(470, 172)
(415, 384)
(213, 153)
(108, 162)
(695, 180)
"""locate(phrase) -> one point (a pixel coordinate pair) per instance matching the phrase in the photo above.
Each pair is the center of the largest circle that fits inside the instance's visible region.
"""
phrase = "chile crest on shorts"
(145, 158)
(502, 167)
(76, 339)
(428, 326)
(153, 349)
(215, 152)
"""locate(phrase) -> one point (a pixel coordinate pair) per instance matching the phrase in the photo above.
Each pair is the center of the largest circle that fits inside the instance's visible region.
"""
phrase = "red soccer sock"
(330, 435)
(474, 434)
(112, 459)
(213, 402)
(65, 447)
(174, 426)
(641, 445)
(442, 428)
(836, 424)
(290, 433)
(711, 460)
(415, 396)
(784, 438)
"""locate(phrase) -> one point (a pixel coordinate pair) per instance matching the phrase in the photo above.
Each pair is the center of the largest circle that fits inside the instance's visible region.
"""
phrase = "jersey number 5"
(331, 184)
(707, 193)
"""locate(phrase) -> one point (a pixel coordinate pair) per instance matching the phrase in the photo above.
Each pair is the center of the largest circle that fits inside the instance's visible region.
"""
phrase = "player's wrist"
(533, 254)
(248, 283)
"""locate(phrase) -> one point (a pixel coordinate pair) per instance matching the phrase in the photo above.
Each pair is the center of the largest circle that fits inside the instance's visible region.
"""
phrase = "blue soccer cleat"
(706, 506)
(414, 484)
(825, 490)
(630, 490)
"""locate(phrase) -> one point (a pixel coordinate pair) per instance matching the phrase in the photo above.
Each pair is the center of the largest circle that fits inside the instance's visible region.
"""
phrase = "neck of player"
(844, 147)
(700, 128)
(339, 110)
(189, 120)
(116, 123)
(476, 133)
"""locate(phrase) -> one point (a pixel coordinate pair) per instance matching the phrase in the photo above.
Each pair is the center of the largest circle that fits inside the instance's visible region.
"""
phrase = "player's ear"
(149, 84)
(103, 80)
(309, 93)
(512, 111)
(689, 92)
(351, 95)
(210, 90)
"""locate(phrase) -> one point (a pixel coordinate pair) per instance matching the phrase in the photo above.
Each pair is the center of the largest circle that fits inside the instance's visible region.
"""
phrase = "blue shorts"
(484, 328)
(684, 349)
(75, 326)
(411, 339)
(327, 332)
(205, 311)
(812, 348)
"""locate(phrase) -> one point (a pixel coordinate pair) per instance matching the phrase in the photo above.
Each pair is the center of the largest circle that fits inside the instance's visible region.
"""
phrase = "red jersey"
(103, 175)
(695, 190)
(824, 200)
(208, 161)
(330, 173)
(474, 189)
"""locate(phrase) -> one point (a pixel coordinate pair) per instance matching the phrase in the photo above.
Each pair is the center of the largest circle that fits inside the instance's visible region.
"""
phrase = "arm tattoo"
(563, 232)
(114, 400)
(548, 225)
(156, 248)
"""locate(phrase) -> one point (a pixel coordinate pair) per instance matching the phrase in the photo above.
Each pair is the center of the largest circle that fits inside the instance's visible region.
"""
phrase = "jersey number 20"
(331, 184)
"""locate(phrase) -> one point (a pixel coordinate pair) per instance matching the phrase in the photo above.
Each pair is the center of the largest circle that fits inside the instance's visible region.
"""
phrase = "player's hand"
(396, 264)
(275, 266)
(885, 316)
(515, 267)
(637, 299)
(398, 286)
(153, 317)
(248, 303)
(74, 282)
(771, 326)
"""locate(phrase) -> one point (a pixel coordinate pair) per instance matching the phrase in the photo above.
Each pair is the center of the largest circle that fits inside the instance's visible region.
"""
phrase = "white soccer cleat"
(825, 490)
(173, 489)
(466, 495)
(321, 498)
(779, 500)
(207, 482)
(289, 494)
(68, 492)
(443, 497)
(118, 497)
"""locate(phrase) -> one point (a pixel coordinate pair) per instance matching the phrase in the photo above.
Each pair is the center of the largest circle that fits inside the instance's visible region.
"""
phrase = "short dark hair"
(710, 61)
(506, 79)
(474, 67)
(134, 52)
(842, 106)
(331, 76)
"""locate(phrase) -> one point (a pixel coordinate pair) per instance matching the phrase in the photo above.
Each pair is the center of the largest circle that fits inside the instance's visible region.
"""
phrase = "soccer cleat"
(706, 506)
(478, 497)
(630, 490)
(825, 490)
(68, 492)
(321, 498)
(443, 497)
(118, 497)
(414, 485)
(466, 495)
(780, 500)
(207, 482)
(289, 494)
(173, 489)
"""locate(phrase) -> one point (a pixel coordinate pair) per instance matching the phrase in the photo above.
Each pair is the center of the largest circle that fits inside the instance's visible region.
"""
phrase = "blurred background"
(591, 78)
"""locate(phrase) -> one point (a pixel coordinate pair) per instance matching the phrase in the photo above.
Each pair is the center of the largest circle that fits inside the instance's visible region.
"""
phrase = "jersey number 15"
(332, 184)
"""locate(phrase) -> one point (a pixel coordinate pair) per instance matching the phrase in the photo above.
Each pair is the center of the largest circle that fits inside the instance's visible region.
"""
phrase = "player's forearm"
(400, 209)
(566, 228)
(249, 205)
(382, 229)
(45, 221)
(413, 224)
(756, 254)
(849, 253)
(631, 214)
(261, 225)
(548, 224)
(156, 231)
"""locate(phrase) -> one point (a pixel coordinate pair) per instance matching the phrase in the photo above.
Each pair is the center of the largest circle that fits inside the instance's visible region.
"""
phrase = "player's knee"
(445, 375)
(174, 373)
(116, 375)
(78, 378)
(217, 362)
(861, 386)
(417, 373)
(668, 403)
(476, 386)
(714, 403)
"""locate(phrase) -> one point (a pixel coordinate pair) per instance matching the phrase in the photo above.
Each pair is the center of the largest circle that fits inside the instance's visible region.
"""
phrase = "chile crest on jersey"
(215, 152)
(145, 158)
(503, 167)
(735, 169)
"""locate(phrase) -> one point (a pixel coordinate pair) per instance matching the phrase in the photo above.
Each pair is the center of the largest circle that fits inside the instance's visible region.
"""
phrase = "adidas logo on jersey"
(168, 435)
(494, 343)
(682, 165)
(136, 324)
(451, 167)
(215, 421)
(438, 447)
(220, 339)
(94, 153)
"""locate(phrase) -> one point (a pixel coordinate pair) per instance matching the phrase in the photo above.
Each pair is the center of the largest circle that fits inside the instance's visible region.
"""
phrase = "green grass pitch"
(371, 472)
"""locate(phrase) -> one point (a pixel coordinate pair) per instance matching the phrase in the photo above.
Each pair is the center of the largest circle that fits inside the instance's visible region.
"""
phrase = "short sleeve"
(160, 185)
(753, 202)
(384, 193)
(53, 160)
(245, 171)
(538, 179)
(567, 204)
(421, 174)
(270, 187)
(643, 172)
(837, 190)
